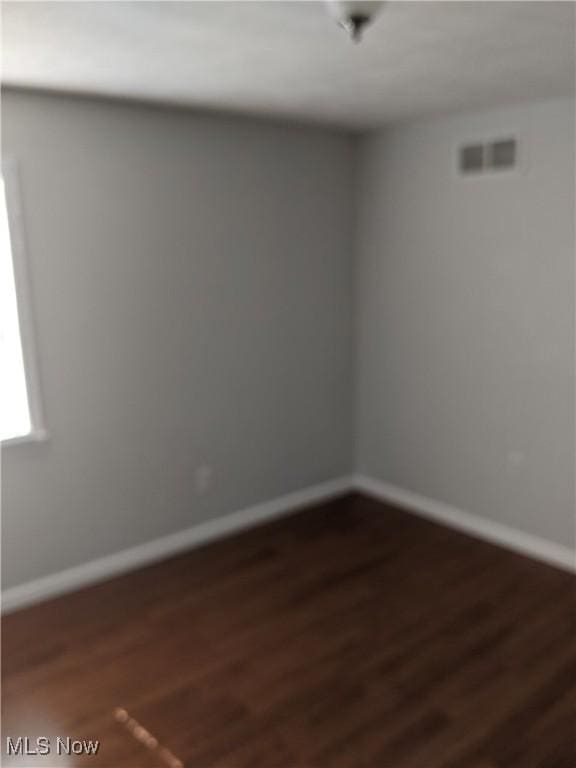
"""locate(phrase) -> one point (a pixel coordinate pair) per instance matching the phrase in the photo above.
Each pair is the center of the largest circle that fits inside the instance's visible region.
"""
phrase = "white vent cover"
(494, 155)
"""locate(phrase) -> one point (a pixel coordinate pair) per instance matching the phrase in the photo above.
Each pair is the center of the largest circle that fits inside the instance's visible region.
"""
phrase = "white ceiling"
(290, 58)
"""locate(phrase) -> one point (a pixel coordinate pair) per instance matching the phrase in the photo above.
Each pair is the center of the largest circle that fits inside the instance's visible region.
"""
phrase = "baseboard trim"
(480, 527)
(130, 559)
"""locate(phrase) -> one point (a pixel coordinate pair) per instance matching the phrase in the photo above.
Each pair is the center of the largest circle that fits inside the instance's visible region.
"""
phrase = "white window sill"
(36, 436)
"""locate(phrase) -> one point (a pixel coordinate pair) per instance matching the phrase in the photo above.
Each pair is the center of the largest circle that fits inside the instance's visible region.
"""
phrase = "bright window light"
(15, 419)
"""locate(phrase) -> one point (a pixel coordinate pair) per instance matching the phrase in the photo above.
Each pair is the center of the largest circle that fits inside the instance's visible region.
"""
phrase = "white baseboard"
(159, 549)
(480, 527)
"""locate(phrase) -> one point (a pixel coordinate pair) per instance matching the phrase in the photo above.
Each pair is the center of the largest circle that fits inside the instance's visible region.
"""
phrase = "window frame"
(15, 216)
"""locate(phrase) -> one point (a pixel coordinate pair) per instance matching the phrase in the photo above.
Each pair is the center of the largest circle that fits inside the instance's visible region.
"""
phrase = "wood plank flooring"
(345, 636)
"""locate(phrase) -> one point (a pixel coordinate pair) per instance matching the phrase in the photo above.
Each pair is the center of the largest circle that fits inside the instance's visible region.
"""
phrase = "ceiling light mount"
(355, 15)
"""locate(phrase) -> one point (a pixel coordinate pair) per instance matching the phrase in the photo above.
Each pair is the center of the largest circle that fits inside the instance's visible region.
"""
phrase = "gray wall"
(192, 283)
(466, 318)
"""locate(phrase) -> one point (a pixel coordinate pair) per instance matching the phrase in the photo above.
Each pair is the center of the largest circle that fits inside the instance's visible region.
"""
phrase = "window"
(19, 400)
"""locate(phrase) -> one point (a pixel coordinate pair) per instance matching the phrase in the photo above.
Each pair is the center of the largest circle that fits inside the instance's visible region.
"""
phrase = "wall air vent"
(480, 157)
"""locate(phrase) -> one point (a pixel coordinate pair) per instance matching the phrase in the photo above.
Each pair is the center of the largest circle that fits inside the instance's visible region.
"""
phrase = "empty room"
(288, 423)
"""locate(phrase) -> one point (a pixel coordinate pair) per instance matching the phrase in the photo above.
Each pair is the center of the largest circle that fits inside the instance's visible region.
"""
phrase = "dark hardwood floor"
(348, 635)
